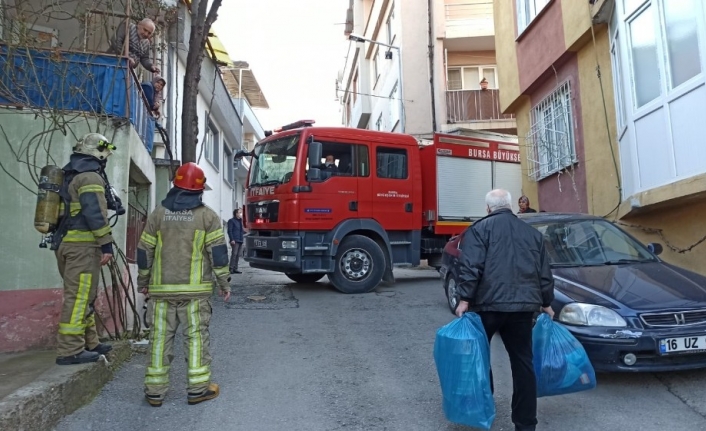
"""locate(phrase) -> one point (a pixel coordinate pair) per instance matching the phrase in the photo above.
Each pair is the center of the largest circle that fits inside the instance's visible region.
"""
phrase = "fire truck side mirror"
(314, 173)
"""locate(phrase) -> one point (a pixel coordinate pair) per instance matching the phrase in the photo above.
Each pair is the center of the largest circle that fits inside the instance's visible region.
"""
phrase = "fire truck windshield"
(274, 161)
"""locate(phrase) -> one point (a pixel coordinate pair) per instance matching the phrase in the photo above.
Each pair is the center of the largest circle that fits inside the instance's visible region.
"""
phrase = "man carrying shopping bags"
(505, 277)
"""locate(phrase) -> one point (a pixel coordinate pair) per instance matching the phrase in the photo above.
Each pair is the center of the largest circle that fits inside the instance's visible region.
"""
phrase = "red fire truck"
(383, 200)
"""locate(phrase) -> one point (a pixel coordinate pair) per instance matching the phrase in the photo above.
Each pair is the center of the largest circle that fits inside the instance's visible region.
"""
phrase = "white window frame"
(376, 68)
(379, 124)
(16, 28)
(389, 24)
(394, 106)
(229, 174)
(212, 145)
(551, 141)
(527, 11)
(480, 68)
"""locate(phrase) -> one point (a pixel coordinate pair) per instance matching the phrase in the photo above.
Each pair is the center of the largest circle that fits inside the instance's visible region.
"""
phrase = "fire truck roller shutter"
(462, 186)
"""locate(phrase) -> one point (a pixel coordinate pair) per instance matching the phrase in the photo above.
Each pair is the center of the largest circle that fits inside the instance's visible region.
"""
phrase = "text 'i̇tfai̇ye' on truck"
(385, 201)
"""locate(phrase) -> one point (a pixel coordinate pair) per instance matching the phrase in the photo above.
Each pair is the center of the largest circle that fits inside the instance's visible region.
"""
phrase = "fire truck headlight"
(288, 258)
(289, 244)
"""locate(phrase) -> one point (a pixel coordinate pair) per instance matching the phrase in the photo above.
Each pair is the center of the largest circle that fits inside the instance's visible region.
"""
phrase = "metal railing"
(473, 105)
(64, 80)
(136, 220)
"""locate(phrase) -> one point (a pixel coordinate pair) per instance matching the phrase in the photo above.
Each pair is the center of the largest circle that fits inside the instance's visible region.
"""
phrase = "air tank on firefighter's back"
(46, 214)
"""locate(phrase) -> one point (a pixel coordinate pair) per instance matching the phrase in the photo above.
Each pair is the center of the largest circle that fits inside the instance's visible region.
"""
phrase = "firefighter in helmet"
(83, 244)
(182, 252)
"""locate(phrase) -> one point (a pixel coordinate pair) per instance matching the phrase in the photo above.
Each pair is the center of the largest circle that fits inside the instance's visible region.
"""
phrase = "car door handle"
(408, 207)
(353, 205)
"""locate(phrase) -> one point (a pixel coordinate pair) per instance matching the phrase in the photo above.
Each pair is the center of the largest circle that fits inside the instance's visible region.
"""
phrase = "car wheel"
(360, 264)
(452, 296)
(305, 278)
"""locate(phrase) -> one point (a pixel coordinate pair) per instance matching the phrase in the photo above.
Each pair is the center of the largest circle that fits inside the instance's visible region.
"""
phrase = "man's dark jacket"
(503, 265)
(235, 230)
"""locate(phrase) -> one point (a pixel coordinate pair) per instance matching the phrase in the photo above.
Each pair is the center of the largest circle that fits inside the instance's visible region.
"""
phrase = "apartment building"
(56, 84)
(418, 69)
(609, 97)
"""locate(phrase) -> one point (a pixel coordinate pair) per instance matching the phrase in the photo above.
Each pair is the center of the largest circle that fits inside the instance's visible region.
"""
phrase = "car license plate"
(260, 243)
(696, 344)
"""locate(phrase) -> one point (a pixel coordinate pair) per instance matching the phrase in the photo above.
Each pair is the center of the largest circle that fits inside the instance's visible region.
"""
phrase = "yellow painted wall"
(576, 16)
(470, 58)
(601, 176)
(682, 226)
(506, 56)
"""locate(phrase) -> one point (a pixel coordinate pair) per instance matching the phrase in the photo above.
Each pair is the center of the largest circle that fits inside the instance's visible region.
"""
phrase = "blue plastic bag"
(462, 357)
(560, 361)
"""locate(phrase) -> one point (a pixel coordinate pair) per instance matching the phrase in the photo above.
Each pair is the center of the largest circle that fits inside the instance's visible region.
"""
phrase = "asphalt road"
(311, 359)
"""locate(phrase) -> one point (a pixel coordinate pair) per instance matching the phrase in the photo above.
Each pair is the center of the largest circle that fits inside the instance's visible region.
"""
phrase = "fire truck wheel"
(305, 278)
(451, 293)
(360, 264)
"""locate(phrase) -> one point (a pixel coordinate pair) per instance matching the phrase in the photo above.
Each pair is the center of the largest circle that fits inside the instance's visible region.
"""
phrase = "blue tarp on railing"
(73, 81)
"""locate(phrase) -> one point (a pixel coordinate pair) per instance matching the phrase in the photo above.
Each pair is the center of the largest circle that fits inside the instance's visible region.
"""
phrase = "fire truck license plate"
(260, 243)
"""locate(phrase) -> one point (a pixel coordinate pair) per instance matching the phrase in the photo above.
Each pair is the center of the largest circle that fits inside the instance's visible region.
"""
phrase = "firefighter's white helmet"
(96, 145)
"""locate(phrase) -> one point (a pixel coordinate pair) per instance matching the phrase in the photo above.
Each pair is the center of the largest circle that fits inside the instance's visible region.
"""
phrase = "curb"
(58, 392)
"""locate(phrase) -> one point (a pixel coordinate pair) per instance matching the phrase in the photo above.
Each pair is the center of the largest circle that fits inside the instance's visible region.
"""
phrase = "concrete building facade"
(447, 80)
(608, 97)
(57, 84)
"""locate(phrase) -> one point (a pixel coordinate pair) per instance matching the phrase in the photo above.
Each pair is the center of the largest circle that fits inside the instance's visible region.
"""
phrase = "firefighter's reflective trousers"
(79, 266)
(194, 315)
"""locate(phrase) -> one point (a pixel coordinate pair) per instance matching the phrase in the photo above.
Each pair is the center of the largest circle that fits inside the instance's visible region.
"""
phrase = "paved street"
(311, 359)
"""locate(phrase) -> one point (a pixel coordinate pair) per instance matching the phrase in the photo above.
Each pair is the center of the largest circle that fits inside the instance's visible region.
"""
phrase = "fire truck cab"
(347, 203)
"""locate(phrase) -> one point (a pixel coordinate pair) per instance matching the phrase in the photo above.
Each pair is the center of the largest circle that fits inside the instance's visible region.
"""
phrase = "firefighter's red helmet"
(190, 176)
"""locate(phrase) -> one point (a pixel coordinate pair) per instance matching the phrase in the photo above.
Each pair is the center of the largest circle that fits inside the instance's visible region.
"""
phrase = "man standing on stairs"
(83, 243)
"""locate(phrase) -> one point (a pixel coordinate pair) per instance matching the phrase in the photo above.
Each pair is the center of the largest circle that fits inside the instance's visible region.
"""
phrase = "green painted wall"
(26, 145)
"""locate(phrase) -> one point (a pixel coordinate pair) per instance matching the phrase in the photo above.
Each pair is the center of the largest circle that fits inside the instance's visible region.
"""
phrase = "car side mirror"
(655, 248)
(315, 150)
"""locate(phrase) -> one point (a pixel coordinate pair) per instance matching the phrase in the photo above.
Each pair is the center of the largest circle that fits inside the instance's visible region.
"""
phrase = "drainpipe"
(430, 5)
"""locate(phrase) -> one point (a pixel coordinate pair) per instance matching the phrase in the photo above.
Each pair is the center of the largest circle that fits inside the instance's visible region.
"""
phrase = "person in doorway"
(507, 297)
(236, 234)
(182, 252)
(138, 43)
(82, 243)
(524, 204)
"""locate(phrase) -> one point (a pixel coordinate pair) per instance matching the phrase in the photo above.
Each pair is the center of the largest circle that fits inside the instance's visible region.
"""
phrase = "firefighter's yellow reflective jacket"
(182, 252)
(88, 211)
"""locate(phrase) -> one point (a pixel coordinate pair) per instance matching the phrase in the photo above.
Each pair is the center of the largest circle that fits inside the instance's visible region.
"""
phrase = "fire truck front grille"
(263, 210)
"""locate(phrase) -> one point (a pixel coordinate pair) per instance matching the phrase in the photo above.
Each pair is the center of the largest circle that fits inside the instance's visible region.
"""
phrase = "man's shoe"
(102, 349)
(154, 400)
(208, 394)
(237, 272)
(81, 358)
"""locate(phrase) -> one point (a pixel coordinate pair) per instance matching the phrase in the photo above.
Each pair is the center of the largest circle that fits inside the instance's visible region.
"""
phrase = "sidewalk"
(35, 393)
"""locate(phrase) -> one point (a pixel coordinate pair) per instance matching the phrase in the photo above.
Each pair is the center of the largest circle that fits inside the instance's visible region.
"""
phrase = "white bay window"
(658, 48)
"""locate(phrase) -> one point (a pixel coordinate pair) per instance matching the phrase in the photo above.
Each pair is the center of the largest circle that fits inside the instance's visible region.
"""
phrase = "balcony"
(468, 106)
(469, 25)
(68, 81)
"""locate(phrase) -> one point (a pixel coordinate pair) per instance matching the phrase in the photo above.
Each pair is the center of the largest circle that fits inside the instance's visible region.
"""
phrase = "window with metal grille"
(550, 141)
